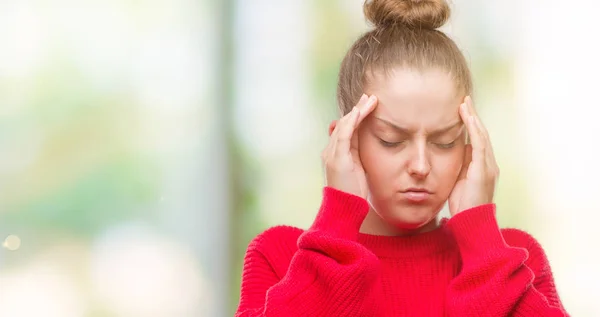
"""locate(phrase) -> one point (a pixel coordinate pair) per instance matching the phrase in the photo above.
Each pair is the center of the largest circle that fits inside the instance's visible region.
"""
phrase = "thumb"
(466, 161)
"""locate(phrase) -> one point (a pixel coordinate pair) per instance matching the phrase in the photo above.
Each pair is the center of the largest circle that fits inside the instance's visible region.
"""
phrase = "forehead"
(416, 99)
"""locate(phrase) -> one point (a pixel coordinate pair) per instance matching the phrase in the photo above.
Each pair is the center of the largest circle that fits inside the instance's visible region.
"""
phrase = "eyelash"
(389, 144)
(439, 145)
(446, 145)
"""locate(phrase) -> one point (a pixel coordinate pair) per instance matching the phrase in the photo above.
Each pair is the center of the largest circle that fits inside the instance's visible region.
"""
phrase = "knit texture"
(466, 267)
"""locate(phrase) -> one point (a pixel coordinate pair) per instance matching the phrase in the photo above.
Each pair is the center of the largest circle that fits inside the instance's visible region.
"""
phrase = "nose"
(419, 165)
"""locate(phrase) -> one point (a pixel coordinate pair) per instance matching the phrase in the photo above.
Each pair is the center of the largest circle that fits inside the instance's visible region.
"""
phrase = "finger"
(489, 153)
(333, 134)
(346, 130)
(367, 108)
(354, 137)
(475, 136)
(483, 130)
(362, 100)
(332, 126)
(466, 161)
(359, 104)
(490, 157)
(351, 117)
(354, 142)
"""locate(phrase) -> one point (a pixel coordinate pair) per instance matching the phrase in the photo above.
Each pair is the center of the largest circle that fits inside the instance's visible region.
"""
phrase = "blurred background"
(144, 143)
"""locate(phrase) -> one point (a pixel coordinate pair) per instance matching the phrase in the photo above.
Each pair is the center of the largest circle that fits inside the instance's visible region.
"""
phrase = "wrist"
(341, 213)
(476, 230)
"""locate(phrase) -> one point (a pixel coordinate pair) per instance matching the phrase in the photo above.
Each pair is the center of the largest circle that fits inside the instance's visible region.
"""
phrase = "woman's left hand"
(477, 180)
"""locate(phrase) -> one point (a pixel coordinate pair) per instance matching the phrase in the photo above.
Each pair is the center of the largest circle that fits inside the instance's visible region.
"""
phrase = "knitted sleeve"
(330, 274)
(498, 279)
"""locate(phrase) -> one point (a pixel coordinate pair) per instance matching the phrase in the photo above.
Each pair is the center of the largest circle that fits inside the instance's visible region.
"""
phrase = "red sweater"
(466, 267)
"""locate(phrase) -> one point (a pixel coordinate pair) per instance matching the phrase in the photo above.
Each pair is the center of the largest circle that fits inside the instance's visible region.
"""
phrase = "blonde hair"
(406, 35)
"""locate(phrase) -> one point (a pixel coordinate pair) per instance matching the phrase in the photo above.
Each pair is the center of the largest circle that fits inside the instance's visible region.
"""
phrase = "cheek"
(368, 152)
(447, 168)
(376, 161)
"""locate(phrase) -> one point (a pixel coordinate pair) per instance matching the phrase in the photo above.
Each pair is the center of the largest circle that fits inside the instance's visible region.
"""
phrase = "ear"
(332, 126)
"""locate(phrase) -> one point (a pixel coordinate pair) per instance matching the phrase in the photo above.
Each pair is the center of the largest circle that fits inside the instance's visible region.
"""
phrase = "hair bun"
(427, 14)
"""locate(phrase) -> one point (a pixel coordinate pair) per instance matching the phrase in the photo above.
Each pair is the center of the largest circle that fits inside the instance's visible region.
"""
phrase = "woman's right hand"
(343, 169)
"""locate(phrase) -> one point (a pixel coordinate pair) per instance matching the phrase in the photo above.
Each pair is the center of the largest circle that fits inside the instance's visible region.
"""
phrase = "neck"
(375, 225)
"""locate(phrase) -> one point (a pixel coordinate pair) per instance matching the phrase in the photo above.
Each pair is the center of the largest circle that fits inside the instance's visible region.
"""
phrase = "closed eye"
(446, 145)
(389, 144)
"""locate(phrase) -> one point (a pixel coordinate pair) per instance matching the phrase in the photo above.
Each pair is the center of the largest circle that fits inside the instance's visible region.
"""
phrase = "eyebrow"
(434, 132)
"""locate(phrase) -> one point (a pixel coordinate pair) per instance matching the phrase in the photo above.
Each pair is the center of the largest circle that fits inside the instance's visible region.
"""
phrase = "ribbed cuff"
(476, 230)
(341, 214)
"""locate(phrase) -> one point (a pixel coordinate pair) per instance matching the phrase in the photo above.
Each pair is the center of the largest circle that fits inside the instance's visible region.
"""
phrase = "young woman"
(409, 140)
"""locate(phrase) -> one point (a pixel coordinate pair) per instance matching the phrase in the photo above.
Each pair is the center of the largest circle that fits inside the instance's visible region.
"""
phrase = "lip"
(417, 190)
(416, 195)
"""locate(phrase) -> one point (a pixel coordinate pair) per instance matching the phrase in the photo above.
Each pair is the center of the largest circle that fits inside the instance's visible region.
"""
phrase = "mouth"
(417, 190)
(416, 195)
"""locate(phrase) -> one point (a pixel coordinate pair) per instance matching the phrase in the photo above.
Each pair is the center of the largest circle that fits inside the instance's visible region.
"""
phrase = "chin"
(410, 218)
(411, 225)
(403, 225)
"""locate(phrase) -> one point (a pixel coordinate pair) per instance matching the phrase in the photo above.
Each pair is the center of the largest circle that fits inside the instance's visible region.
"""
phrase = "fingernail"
(362, 98)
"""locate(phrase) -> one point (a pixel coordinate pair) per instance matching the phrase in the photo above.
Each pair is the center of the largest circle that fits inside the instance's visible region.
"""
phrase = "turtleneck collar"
(418, 245)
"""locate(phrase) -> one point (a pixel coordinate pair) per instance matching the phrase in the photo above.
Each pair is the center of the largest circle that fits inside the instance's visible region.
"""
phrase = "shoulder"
(275, 237)
(520, 238)
(277, 245)
(537, 259)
